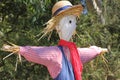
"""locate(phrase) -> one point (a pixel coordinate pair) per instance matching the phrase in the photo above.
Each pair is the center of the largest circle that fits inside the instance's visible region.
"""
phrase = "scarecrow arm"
(51, 56)
(41, 55)
(87, 54)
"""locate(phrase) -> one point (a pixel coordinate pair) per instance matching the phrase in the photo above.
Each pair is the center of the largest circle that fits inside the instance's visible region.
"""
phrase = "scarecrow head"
(63, 19)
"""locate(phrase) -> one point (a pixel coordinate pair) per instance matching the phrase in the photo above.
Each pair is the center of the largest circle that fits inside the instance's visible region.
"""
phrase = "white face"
(66, 27)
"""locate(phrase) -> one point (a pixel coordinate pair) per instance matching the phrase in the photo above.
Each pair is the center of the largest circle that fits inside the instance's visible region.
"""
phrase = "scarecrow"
(65, 61)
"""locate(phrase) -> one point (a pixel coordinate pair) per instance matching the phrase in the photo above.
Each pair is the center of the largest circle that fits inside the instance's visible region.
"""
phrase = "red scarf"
(75, 58)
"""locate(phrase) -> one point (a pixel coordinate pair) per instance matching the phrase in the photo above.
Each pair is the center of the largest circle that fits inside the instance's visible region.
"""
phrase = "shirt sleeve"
(87, 54)
(51, 57)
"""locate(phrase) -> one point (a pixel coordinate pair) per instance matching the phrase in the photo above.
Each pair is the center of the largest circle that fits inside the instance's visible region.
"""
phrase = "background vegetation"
(21, 22)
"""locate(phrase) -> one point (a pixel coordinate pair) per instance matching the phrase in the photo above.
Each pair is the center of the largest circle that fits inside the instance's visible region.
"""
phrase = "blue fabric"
(83, 2)
(60, 9)
(67, 71)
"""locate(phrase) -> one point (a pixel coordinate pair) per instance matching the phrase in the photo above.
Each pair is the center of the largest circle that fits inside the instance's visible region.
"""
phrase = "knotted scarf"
(75, 58)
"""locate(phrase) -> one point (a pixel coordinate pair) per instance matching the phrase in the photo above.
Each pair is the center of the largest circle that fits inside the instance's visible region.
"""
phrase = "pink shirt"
(51, 56)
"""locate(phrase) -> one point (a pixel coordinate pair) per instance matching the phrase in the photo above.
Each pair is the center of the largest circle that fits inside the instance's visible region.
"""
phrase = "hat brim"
(74, 10)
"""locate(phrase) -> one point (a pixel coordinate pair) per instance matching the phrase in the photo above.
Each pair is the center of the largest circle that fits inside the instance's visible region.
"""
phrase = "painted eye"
(70, 21)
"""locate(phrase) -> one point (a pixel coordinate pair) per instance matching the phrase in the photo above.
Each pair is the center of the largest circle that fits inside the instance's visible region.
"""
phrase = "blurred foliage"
(21, 22)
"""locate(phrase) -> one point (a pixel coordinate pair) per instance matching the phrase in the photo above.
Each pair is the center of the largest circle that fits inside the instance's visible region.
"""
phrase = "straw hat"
(59, 10)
